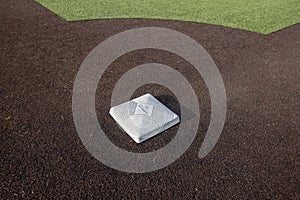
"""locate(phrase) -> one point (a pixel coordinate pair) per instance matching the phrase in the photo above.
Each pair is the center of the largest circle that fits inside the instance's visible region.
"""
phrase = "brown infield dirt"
(256, 157)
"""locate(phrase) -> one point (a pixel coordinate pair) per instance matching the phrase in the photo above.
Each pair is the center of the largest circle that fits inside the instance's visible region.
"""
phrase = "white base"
(144, 117)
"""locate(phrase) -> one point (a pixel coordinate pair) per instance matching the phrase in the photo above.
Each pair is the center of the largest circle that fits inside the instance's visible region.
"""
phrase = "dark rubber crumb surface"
(41, 156)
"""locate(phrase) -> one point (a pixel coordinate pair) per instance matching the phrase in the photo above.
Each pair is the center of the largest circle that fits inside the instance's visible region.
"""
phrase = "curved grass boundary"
(261, 16)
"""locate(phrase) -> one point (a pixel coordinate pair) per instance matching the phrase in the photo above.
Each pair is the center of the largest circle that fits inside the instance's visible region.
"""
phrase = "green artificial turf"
(262, 16)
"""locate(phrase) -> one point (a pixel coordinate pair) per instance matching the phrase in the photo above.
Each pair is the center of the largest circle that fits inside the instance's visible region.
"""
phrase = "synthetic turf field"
(42, 157)
(258, 16)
